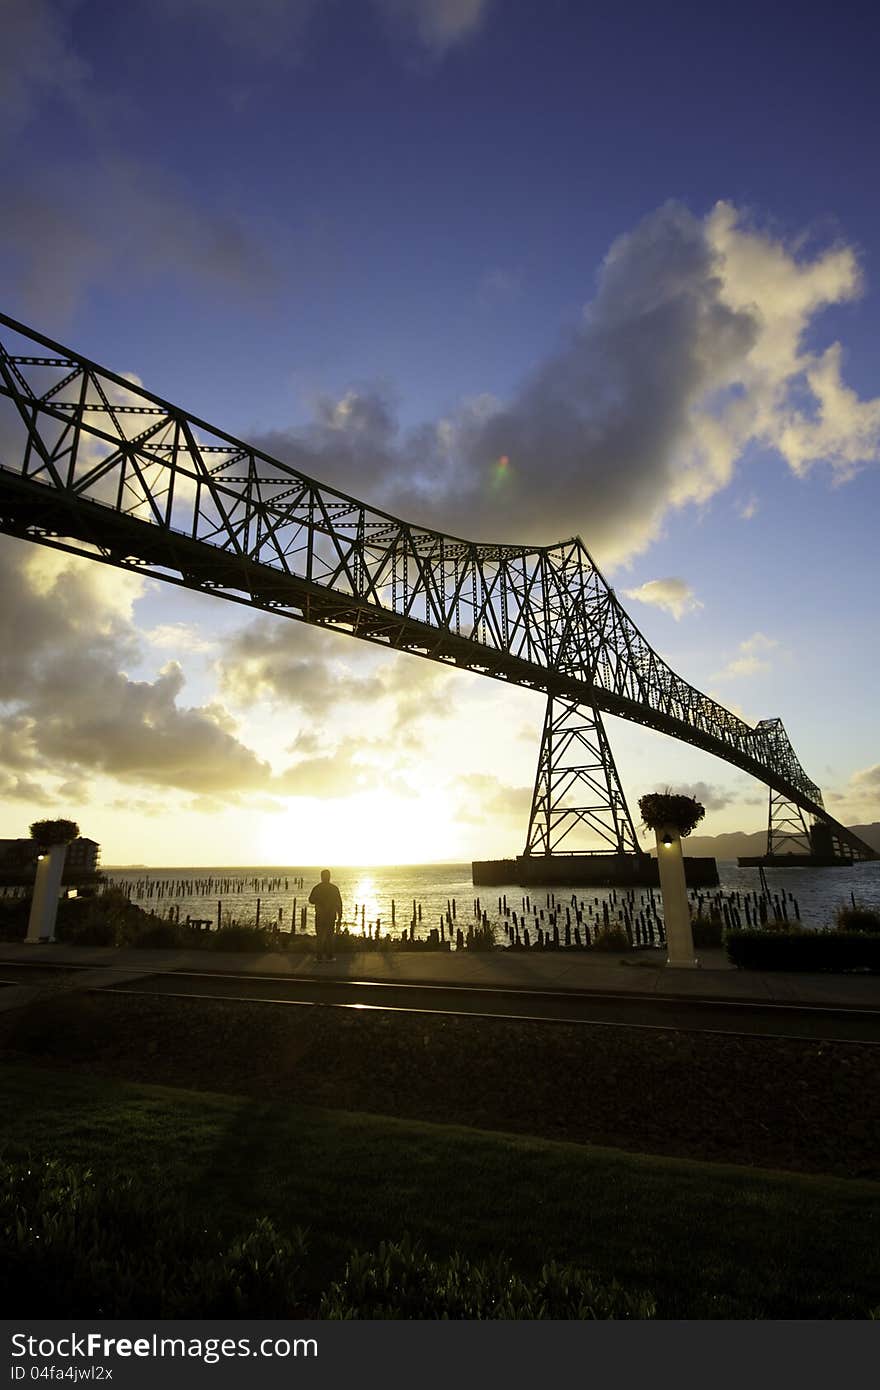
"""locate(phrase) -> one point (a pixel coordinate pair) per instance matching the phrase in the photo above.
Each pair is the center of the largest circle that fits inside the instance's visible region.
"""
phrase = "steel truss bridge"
(92, 463)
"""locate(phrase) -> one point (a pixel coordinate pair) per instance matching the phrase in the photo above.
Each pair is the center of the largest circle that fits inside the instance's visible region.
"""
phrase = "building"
(18, 861)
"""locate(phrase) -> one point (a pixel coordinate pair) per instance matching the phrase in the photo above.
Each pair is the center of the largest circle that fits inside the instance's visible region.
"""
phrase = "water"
(368, 894)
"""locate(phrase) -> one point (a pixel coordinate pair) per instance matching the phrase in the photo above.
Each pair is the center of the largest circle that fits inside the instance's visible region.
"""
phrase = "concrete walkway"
(644, 973)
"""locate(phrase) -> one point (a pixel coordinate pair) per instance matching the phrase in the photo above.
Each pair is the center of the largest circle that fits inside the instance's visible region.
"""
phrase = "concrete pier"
(587, 871)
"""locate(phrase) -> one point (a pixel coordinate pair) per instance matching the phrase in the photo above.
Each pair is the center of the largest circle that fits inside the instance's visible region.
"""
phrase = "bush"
(857, 918)
(77, 1248)
(14, 915)
(798, 949)
(400, 1281)
(108, 919)
(612, 938)
(708, 931)
(241, 938)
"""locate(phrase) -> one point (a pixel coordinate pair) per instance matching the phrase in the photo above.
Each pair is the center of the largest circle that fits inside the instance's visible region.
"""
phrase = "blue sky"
(398, 238)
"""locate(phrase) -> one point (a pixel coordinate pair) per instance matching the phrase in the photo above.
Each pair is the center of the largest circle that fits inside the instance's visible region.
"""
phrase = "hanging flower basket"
(54, 832)
(664, 808)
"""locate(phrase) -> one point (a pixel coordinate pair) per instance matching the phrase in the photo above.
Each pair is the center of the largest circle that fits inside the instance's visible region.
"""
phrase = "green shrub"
(74, 1247)
(708, 931)
(400, 1281)
(92, 929)
(798, 949)
(612, 938)
(160, 935)
(14, 915)
(107, 919)
(857, 918)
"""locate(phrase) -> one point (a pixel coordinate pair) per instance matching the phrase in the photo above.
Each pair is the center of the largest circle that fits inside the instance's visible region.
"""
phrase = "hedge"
(797, 949)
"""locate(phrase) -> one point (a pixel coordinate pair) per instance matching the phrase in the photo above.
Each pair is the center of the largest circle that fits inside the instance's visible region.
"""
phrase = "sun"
(373, 827)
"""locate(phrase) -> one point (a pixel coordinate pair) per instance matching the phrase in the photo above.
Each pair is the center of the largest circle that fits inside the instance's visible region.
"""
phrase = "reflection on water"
(372, 895)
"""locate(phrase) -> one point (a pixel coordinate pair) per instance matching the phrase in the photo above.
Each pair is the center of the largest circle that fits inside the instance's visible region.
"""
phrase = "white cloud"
(691, 350)
(500, 286)
(750, 658)
(437, 25)
(179, 637)
(868, 780)
(749, 508)
(711, 797)
(674, 596)
(276, 30)
(482, 798)
(70, 709)
(269, 30)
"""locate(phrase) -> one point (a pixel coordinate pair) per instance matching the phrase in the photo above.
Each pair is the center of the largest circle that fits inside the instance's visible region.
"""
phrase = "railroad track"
(597, 1008)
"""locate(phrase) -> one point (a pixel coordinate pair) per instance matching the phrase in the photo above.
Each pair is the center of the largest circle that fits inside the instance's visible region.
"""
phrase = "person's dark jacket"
(327, 903)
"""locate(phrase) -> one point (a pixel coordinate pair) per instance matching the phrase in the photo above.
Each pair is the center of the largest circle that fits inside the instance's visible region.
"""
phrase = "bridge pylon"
(577, 788)
(787, 828)
(795, 839)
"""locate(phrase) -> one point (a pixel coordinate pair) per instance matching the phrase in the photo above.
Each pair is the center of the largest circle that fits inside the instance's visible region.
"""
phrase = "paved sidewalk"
(642, 974)
(102, 976)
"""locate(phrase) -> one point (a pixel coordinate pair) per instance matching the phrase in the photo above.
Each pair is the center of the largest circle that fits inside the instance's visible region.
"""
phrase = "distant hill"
(741, 842)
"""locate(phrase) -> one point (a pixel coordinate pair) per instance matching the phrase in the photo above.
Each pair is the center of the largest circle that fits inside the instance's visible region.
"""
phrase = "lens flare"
(501, 470)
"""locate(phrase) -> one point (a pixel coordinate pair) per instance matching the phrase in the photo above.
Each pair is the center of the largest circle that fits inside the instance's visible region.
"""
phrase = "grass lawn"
(708, 1240)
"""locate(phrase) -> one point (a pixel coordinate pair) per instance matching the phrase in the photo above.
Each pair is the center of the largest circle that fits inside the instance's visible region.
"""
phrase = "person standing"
(327, 902)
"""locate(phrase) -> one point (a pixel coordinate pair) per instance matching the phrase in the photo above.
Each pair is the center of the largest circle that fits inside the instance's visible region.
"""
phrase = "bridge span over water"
(93, 464)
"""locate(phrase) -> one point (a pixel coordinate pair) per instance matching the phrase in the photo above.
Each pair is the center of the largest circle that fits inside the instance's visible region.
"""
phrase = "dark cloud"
(37, 60)
(62, 235)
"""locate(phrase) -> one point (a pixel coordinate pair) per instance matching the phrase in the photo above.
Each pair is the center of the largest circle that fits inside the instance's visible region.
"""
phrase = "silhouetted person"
(327, 903)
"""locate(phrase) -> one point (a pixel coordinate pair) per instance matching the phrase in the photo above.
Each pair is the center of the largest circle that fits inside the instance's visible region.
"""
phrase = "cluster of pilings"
(578, 922)
(747, 909)
(574, 923)
(156, 889)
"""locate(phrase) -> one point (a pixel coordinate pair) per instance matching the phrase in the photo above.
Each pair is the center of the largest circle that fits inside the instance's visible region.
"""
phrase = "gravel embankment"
(808, 1106)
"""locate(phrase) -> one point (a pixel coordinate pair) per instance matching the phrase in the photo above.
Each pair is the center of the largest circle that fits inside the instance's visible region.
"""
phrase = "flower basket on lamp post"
(671, 816)
(52, 837)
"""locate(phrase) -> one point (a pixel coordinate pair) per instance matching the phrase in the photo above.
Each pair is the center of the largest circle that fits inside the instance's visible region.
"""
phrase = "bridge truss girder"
(92, 463)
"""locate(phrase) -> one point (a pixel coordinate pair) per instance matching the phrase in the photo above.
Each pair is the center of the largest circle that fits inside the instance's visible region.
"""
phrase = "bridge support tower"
(577, 794)
(795, 842)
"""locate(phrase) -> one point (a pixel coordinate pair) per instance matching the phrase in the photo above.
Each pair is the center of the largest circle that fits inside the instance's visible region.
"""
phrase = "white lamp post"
(53, 836)
(676, 911)
(47, 886)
